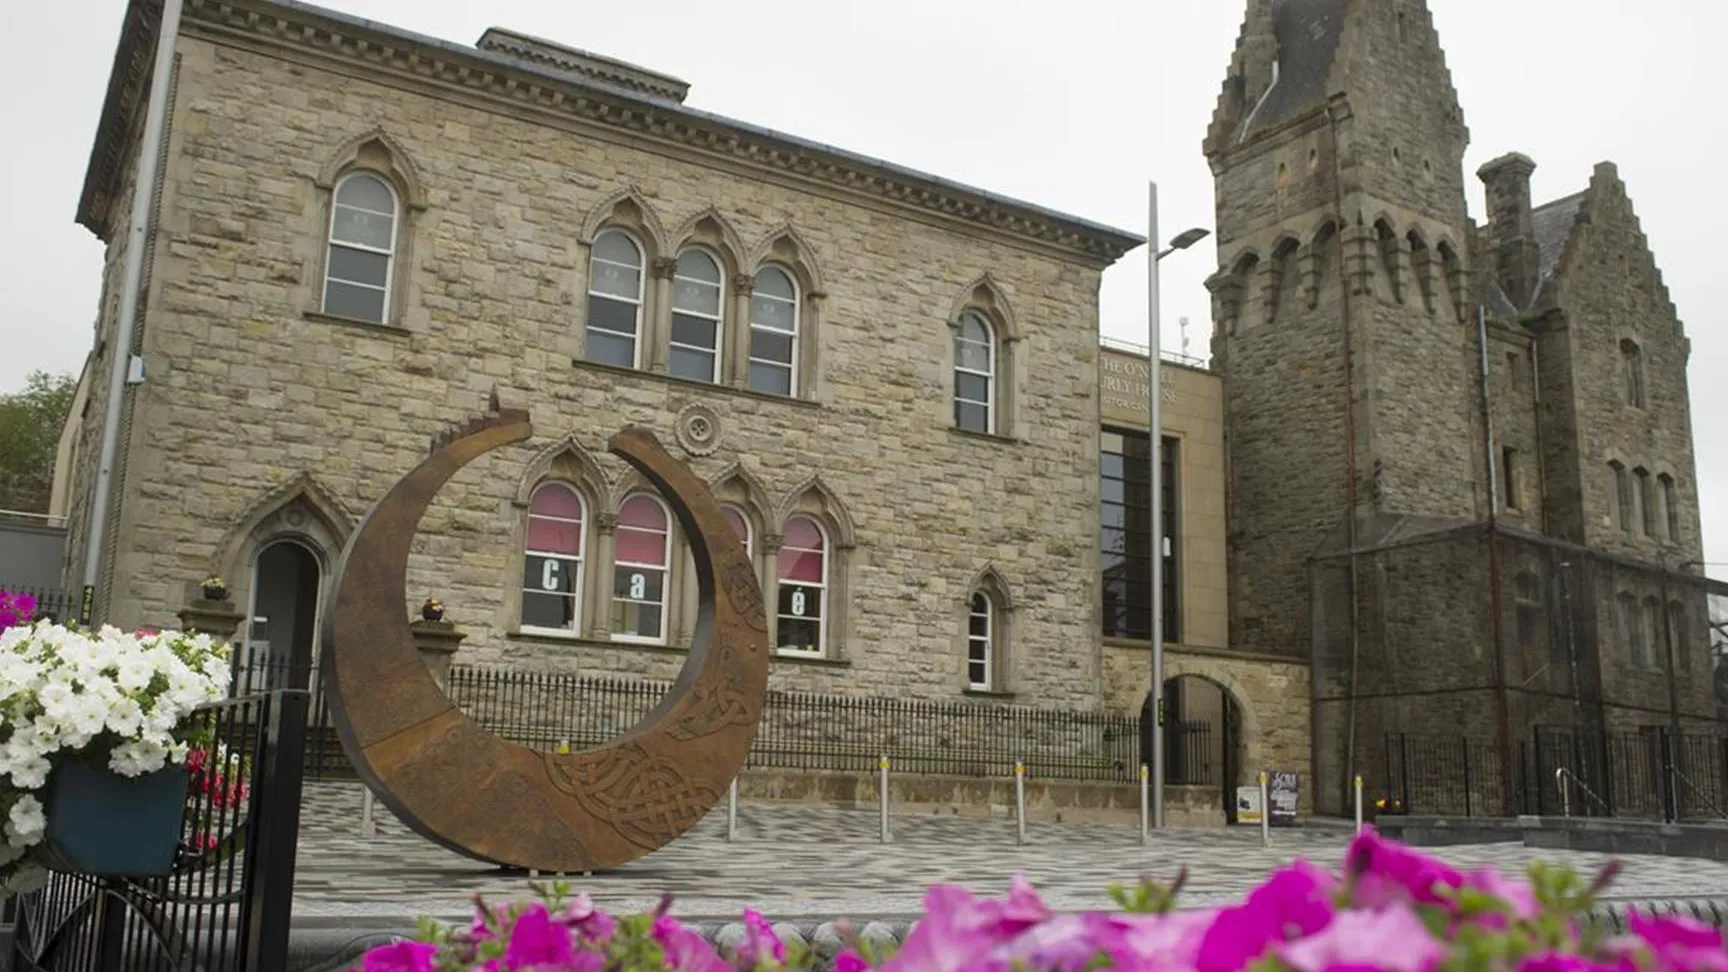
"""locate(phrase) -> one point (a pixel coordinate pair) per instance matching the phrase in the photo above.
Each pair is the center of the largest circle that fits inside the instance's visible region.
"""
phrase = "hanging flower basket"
(213, 588)
(95, 731)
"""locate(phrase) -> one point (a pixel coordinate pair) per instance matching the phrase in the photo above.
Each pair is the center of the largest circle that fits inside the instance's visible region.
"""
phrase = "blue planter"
(105, 824)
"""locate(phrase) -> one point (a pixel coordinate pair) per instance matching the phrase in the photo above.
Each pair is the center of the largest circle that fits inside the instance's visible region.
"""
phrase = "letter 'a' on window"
(803, 604)
(639, 566)
(552, 559)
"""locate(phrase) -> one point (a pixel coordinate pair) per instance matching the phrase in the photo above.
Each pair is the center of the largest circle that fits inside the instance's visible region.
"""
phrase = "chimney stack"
(1511, 229)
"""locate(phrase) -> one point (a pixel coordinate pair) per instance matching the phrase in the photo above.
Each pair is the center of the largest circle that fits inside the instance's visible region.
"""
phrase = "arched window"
(362, 246)
(981, 642)
(615, 300)
(1620, 496)
(803, 609)
(1670, 511)
(1632, 360)
(975, 374)
(641, 555)
(1650, 638)
(1646, 500)
(740, 525)
(696, 318)
(552, 555)
(774, 333)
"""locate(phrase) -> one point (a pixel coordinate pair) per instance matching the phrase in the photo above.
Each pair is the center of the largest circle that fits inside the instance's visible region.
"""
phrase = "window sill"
(356, 322)
(693, 384)
(820, 661)
(983, 693)
(994, 437)
(545, 637)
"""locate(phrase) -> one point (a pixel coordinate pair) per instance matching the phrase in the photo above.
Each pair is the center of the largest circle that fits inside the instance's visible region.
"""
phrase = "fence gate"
(227, 903)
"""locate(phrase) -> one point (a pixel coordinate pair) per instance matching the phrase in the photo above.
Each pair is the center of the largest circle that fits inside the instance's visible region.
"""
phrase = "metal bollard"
(732, 810)
(368, 818)
(1145, 804)
(882, 768)
(1020, 800)
(1358, 804)
(1265, 813)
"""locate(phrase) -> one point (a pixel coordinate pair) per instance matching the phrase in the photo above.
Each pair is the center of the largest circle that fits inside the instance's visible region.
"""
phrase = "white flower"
(125, 717)
(138, 757)
(26, 823)
(28, 878)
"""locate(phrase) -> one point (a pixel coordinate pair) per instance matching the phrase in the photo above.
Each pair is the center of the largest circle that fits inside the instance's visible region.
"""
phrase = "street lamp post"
(1155, 433)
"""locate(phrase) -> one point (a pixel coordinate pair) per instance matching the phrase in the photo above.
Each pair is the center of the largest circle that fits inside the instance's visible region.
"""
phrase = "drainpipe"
(150, 151)
(1502, 713)
(1349, 446)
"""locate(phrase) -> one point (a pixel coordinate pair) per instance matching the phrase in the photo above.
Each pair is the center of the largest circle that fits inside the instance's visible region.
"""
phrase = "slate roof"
(1553, 226)
(1308, 33)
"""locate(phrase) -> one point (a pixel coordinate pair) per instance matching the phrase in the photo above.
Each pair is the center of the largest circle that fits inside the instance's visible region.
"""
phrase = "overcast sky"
(1073, 105)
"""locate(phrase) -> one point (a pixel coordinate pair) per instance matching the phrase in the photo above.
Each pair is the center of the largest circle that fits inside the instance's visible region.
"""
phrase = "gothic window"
(981, 642)
(803, 598)
(1646, 500)
(697, 300)
(740, 525)
(1632, 361)
(642, 555)
(1627, 627)
(975, 374)
(1670, 508)
(552, 559)
(615, 282)
(774, 333)
(362, 246)
(1650, 637)
(1620, 496)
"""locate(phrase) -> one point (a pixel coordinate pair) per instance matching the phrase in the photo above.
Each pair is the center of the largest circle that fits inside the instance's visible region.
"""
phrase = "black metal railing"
(52, 604)
(1188, 756)
(226, 903)
(1651, 773)
(798, 731)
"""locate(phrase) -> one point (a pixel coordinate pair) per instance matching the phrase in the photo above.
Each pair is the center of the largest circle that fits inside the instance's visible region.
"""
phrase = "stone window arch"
(982, 351)
(555, 559)
(987, 634)
(1632, 372)
(1620, 496)
(624, 291)
(564, 464)
(1423, 267)
(779, 351)
(815, 531)
(1391, 250)
(1670, 519)
(696, 338)
(744, 504)
(1646, 500)
(371, 198)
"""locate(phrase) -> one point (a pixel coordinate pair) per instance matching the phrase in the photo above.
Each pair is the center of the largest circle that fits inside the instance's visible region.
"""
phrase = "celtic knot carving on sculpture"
(475, 793)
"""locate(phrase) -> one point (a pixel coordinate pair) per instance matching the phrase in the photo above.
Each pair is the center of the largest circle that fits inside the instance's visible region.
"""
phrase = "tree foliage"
(30, 423)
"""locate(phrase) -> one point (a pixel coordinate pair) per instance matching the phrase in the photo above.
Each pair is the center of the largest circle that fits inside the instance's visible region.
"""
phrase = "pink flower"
(1158, 940)
(594, 924)
(759, 940)
(850, 961)
(950, 937)
(1293, 903)
(1385, 872)
(400, 957)
(24, 605)
(1391, 940)
(1065, 943)
(685, 948)
(1679, 944)
(536, 940)
(1517, 895)
(1555, 962)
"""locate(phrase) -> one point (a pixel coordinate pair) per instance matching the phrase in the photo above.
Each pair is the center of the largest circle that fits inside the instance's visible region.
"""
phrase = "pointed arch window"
(361, 248)
(615, 282)
(1646, 500)
(552, 559)
(740, 525)
(697, 321)
(1632, 362)
(1650, 634)
(975, 374)
(803, 600)
(1670, 508)
(981, 625)
(774, 336)
(1620, 501)
(640, 561)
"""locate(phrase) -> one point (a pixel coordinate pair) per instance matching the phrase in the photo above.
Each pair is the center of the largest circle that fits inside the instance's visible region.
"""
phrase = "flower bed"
(1388, 908)
(105, 704)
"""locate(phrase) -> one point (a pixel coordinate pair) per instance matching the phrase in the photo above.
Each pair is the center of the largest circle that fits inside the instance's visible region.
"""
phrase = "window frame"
(992, 346)
(797, 332)
(579, 584)
(1623, 513)
(823, 618)
(749, 528)
(330, 243)
(665, 570)
(719, 349)
(641, 302)
(988, 641)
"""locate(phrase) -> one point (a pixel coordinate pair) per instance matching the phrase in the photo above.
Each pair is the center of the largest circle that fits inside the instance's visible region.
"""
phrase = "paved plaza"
(801, 862)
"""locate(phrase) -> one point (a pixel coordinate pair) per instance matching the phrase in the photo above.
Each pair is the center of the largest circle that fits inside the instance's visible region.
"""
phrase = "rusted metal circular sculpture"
(463, 787)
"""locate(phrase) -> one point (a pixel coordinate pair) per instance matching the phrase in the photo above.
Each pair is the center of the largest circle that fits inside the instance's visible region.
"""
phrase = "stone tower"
(1341, 324)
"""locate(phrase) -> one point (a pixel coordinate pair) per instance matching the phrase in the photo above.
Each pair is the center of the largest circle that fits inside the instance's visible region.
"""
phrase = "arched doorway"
(283, 622)
(1202, 737)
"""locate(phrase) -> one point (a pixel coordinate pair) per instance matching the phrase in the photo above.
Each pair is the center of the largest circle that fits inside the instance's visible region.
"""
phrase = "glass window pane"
(971, 388)
(739, 524)
(556, 500)
(797, 601)
(366, 192)
(548, 610)
(801, 565)
(642, 513)
(555, 536)
(639, 620)
(800, 634)
(614, 280)
(777, 314)
(362, 228)
(773, 282)
(359, 266)
(694, 365)
(615, 247)
(972, 357)
(770, 379)
(974, 330)
(552, 575)
(802, 533)
(350, 300)
(612, 315)
(694, 331)
(612, 349)
(980, 604)
(640, 547)
(639, 584)
(770, 346)
(971, 416)
(696, 265)
(979, 626)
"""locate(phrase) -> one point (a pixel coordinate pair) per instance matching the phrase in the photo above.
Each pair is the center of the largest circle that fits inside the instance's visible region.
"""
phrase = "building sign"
(1124, 386)
(1283, 789)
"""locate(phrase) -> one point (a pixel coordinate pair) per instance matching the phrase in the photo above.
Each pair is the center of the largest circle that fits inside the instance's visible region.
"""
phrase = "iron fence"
(1188, 756)
(1650, 773)
(226, 902)
(51, 604)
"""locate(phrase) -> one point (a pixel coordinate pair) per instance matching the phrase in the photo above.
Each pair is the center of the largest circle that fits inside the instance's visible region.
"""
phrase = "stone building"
(1461, 467)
